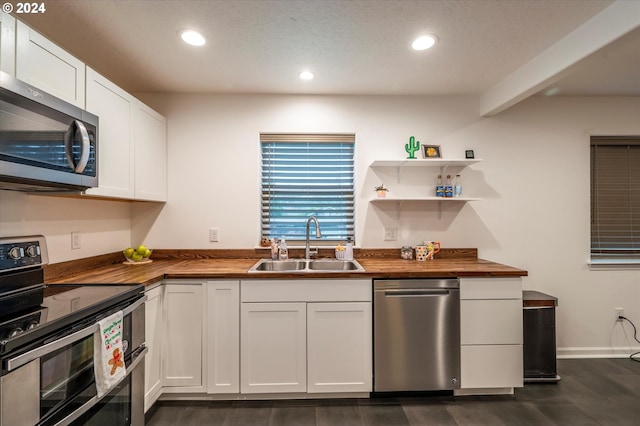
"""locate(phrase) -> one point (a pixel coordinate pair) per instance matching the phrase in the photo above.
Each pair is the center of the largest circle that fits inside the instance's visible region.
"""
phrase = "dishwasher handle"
(417, 293)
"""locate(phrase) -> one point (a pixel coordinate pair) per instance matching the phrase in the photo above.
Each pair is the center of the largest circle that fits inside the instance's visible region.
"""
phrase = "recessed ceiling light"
(193, 38)
(306, 75)
(424, 42)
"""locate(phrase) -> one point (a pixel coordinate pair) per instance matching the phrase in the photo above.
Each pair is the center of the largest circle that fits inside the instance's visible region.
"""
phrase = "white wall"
(104, 226)
(534, 180)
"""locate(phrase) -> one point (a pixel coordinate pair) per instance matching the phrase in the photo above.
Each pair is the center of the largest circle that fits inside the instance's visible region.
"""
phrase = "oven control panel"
(22, 252)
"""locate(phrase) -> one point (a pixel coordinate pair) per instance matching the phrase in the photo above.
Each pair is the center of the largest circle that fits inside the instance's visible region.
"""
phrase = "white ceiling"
(501, 50)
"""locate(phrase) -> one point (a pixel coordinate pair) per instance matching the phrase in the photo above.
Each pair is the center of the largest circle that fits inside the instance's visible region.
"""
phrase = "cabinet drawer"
(489, 366)
(491, 288)
(309, 290)
(491, 322)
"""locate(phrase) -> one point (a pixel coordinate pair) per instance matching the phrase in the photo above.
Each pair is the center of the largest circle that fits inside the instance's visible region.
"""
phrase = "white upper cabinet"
(132, 143)
(7, 44)
(115, 108)
(150, 153)
(47, 66)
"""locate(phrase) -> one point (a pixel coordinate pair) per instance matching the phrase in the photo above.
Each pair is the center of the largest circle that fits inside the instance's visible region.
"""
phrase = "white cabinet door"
(7, 44)
(491, 322)
(491, 333)
(182, 340)
(339, 347)
(491, 366)
(115, 109)
(223, 337)
(273, 354)
(47, 66)
(153, 338)
(150, 153)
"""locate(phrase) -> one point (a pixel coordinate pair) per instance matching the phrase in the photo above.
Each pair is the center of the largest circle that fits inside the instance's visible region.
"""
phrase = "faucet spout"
(308, 252)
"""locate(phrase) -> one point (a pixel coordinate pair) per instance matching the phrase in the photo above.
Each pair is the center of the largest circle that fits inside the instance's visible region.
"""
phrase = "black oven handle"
(139, 356)
(41, 351)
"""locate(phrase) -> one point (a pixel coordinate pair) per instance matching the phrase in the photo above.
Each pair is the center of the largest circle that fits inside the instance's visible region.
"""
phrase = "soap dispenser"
(348, 255)
(284, 252)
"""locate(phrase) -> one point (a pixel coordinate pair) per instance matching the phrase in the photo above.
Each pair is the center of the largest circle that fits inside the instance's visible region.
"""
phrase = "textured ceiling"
(353, 47)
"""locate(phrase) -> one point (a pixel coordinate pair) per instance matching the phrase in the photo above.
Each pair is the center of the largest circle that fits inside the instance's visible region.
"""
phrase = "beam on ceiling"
(562, 58)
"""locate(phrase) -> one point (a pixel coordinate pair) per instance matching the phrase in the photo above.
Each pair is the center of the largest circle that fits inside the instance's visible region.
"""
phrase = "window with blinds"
(307, 175)
(615, 200)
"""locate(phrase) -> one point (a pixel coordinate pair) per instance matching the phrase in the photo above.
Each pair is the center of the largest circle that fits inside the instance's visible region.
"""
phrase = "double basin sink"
(306, 266)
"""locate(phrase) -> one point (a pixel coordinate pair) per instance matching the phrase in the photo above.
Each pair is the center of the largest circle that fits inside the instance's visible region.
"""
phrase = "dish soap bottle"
(348, 255)
(284, 252)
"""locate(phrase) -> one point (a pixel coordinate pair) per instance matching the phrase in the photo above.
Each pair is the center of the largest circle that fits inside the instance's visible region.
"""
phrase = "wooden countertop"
(237, 268)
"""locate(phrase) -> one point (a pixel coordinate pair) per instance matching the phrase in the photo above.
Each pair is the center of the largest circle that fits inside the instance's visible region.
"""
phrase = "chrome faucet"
(308, 252)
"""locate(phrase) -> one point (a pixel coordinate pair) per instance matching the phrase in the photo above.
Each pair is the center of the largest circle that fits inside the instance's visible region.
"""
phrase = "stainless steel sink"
(306, 266)
(279, 266)
(334, 265)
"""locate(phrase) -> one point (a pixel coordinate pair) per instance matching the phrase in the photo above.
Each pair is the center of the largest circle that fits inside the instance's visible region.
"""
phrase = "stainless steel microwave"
(46, 144)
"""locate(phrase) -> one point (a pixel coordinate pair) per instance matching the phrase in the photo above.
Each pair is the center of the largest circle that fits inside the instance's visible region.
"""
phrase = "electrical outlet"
(214, 235)
(390, 234)
(619, 313)
(75, 241)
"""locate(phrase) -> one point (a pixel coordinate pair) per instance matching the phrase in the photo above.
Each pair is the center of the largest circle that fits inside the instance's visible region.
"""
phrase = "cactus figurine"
(412, 147)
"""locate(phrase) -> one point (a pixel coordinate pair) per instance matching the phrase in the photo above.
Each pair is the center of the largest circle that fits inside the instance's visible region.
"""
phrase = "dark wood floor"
(591, 392)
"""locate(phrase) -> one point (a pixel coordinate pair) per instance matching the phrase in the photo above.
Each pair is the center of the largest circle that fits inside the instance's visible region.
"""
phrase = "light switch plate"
(390, 234)
(75, 241)
(214, 235)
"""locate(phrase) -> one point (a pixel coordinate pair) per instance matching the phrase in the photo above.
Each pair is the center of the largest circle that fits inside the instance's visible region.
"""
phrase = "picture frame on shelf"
(468, 154)
(431, 151)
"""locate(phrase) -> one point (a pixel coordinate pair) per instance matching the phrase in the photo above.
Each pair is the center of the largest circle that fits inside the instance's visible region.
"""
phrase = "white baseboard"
(595, 352)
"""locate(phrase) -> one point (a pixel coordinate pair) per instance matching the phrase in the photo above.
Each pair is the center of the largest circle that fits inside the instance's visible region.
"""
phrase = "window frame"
(610, 248)
(344, 199)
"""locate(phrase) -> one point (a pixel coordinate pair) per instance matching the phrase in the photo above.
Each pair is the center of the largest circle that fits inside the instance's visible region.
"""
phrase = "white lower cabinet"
(182, 353)
(305, 336)
(273, 348)
(491, 366)
(153, 337)
(491, 333)
(339, 347)
(223, 337)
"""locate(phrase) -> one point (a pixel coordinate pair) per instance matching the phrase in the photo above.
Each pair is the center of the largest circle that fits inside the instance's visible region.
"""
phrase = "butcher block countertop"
(225, 264)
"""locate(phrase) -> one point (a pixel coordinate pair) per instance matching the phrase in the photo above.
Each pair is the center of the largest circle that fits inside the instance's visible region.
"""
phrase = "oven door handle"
(139, 356)
(27, 357)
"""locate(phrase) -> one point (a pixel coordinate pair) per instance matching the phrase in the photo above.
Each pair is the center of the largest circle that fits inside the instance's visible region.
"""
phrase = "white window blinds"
(307, 175)
(615, 199)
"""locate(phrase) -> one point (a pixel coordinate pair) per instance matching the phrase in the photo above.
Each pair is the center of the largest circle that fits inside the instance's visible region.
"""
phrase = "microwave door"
(44, 142)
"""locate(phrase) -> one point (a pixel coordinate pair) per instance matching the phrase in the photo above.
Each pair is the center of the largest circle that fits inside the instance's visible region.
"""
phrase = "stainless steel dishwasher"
(416, 333)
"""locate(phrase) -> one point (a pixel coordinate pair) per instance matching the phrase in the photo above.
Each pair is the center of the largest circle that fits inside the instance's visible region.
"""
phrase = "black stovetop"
(64, 306)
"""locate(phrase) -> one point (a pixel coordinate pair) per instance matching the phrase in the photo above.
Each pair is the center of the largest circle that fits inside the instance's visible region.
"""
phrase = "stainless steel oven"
(47, 353)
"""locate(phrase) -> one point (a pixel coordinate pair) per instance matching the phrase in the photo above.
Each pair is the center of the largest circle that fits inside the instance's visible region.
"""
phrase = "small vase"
(382, 193)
